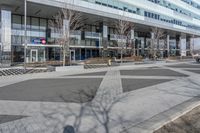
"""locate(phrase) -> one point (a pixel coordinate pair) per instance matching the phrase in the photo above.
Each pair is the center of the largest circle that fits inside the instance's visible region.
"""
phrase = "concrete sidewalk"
(140, 110)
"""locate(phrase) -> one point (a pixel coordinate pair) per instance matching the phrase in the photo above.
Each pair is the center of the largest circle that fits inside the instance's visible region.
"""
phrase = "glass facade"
(175, 8)
(192, 3)
(154, 15)
(38, 29)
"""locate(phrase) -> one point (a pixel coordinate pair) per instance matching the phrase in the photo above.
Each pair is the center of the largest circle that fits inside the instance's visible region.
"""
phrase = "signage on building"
(43, 41)
(39, 41)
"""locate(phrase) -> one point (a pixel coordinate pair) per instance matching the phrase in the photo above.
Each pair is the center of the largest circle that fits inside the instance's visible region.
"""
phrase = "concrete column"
(104, 31)
(133, 41)
(85, 53)
(105, 36)
(80, 53)
(145, 46)
(188, 45)
(168, 50)
(142, 45)
(183, 45)
(91, 53)
(6, 36)
(178, 42)
(152, 44)
(192, 45)
(79, 40)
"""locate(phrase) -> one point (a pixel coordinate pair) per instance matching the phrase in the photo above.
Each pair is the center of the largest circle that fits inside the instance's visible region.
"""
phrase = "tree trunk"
(156, 47)
(152, 49)
(133, 48)
(68, 51)
(122, 55)
(64, 56)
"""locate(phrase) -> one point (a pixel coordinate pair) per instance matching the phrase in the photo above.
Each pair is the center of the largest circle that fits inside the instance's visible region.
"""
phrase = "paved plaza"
(123, 99)
(50, 90)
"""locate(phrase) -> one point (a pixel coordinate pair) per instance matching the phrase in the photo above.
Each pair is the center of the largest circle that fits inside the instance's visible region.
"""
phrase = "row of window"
(175, 8)
(132, 9)
(168, 20)
(149, 14)
(136, 11)
(35, 24)
(156, 16)
(192, 3)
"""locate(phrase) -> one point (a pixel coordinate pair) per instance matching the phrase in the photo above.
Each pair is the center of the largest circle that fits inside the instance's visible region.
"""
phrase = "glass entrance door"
(34, 55)
(72, 56)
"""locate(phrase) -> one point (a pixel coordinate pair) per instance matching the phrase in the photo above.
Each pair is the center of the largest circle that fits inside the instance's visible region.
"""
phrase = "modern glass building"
(180, 19)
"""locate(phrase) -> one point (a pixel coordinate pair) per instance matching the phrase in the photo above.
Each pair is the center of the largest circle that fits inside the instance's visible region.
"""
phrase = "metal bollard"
(109, 62)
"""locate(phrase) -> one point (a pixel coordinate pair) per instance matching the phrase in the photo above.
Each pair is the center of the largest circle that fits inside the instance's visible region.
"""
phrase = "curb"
(163, 118)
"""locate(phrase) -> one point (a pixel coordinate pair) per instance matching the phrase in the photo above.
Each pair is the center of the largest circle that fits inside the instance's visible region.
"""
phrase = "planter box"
(69, 68)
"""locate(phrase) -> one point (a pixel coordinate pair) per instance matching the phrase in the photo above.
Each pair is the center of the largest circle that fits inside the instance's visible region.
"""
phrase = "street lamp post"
(1, 50)
(25, 32)
(1, 55)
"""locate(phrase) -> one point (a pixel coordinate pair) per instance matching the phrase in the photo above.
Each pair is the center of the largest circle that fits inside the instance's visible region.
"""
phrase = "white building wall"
(6, 30)
(165, 11)
(95, 9)
(185, 5)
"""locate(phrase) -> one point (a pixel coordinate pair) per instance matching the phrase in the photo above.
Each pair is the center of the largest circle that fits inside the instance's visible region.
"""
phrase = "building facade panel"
(116, 12)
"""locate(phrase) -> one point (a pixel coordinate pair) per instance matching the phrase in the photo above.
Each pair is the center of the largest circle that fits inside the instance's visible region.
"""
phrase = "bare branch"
(157, 35)
(63, 22)
(123, 30)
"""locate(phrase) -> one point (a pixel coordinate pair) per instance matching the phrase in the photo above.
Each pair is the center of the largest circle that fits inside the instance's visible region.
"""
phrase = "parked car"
(197, 58)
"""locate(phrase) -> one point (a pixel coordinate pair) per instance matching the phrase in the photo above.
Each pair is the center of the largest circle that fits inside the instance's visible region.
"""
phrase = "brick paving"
(110, 87)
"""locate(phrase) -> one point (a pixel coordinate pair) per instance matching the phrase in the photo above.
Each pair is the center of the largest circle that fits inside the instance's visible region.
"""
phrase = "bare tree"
(123, 30)
(131, 40)
(63, 22)
(157, 34)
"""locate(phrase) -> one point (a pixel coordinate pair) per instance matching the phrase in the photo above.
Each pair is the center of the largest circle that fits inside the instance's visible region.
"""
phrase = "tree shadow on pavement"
(90, 117)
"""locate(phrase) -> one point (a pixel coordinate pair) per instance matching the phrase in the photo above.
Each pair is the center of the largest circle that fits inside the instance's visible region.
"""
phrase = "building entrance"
(34, 55)
(72, 56)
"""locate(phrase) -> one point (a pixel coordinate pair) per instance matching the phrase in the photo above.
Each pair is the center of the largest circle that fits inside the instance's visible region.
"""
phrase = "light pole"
(193, 46)
(1, 54)
(25, 32)
(1, 50)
